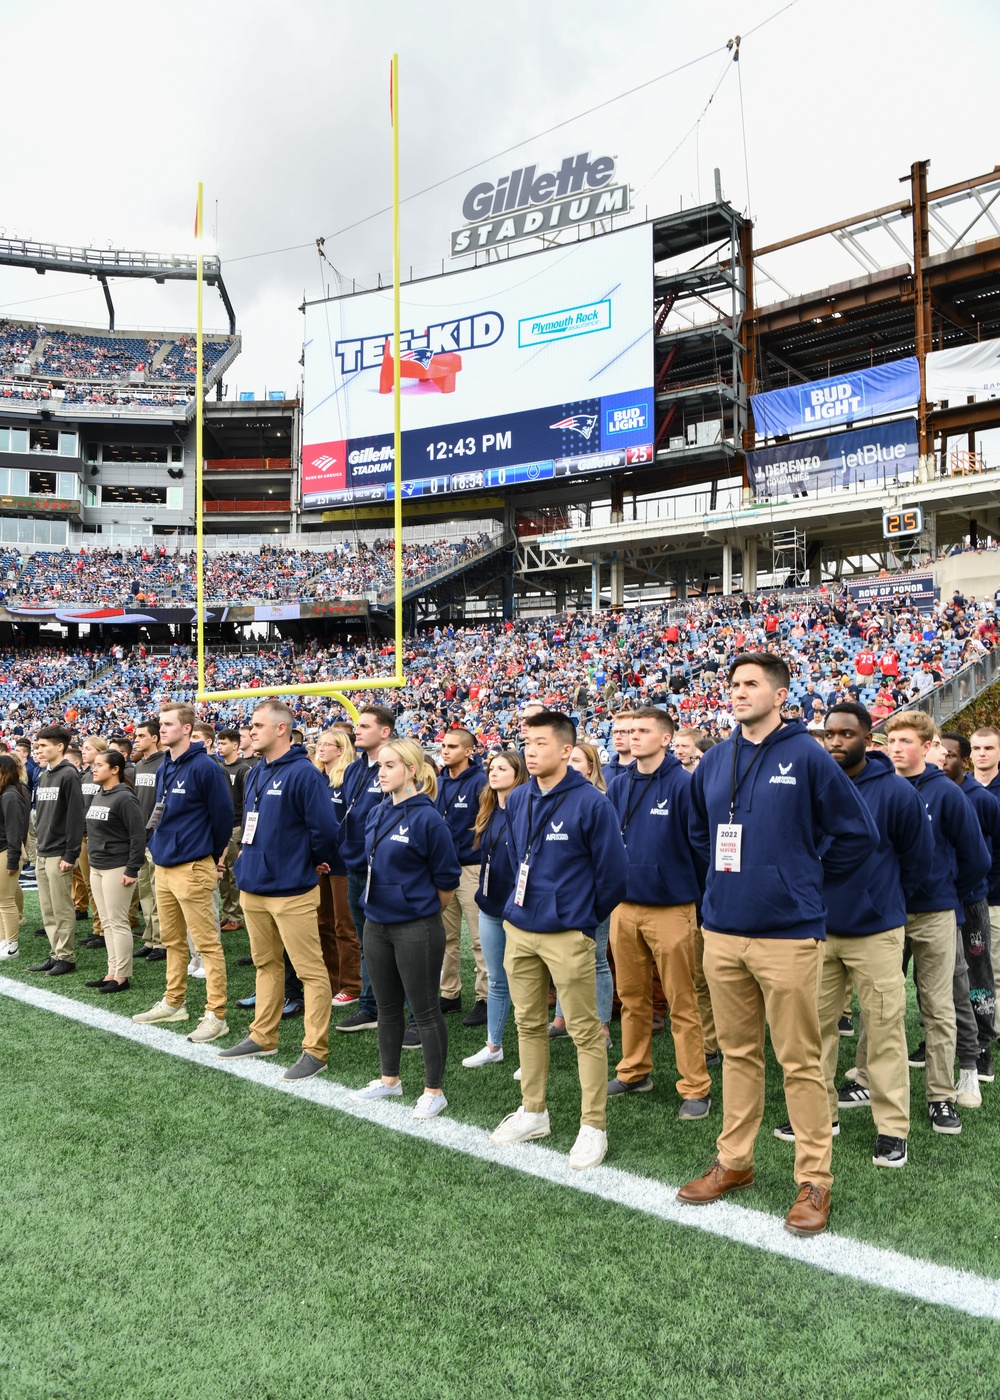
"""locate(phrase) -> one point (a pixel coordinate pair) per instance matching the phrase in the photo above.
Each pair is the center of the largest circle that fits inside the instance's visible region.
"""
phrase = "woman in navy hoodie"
(504, 772)
(413, 872)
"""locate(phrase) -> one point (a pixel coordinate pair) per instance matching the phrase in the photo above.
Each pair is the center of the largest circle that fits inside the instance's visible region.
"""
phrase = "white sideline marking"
(836, 1254)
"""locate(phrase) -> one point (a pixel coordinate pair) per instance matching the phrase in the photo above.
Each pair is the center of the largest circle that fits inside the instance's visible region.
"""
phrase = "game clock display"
(898, 524)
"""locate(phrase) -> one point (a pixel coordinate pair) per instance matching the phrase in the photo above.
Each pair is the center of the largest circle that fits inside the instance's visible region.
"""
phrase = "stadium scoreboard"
(521, 372)
(899, 524)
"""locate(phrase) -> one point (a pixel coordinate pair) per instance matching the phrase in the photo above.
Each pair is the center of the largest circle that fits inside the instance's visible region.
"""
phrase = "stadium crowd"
(761, 875)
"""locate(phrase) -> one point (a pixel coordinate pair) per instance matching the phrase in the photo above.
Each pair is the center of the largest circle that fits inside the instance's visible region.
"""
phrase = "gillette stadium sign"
(527, 203)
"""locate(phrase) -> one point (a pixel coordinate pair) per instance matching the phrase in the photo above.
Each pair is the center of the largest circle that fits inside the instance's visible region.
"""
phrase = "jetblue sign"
(838, 461)
(837, 402)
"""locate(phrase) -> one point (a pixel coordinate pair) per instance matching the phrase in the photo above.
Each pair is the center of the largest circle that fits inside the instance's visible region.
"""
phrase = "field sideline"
(168, 1229)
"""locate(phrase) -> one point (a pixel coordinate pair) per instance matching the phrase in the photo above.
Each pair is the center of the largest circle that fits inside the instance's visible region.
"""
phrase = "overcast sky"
(113, 114)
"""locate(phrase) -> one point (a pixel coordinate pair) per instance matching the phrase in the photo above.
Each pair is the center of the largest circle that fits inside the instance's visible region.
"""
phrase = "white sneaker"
(430, 1105)
(8, 950)
(590, 1148)
(196, 967)
(969, 1094)
(521, 1127)
(375, 1089)
(517, 1074)
(208, 1028)
(485, 1056)
(162, 1011)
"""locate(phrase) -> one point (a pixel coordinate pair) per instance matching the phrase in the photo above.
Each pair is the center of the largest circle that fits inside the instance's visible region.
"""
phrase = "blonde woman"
(91, 746)
(338, 940)
(586, 760)
(413, 872)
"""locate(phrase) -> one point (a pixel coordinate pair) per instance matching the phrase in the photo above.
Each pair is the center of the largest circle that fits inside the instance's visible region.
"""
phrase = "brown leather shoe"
(810, 1214)
(717, 1182)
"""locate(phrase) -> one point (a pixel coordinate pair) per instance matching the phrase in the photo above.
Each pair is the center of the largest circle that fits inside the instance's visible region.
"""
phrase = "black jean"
(404, 964)
(975, 994)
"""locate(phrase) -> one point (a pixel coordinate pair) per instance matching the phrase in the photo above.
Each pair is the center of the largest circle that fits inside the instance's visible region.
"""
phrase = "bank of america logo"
(582, 423)
(324, 464)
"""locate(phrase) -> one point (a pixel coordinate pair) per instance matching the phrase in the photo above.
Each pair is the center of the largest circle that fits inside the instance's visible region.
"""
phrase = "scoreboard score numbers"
(898, 524)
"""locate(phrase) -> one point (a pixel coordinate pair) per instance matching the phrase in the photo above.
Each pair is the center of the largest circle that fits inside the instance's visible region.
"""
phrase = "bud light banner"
(833, 403)
(838, 461)
(902, 591)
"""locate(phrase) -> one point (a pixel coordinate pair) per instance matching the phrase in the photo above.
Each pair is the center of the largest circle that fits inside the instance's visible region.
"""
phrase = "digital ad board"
(529, 370)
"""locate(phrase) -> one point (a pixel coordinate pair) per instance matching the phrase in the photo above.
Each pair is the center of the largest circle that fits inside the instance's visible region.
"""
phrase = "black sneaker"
(449, 1004)
(944, 1118)
(39, 933)
(477, 1016)
(81, 914)
(60, 967)
(157, 955)
(889, 1152)
(411, 1038)
(984, 1066)
(854, 1095)
(98, 983)
(359, 1021)
(917, 1058)
(714, 1060)
(44, 966)
(245, 961)
(142, 952)
(845, 1026)
(96, 941)
(786, 1132)
(639, 1086)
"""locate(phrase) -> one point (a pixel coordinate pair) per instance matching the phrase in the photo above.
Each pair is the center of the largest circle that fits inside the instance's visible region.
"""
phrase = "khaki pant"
(276, 923)
(82, 890)
(185, 898)
(569, 958)
(641, 935)
(230, 895)
(55, 895)
(146, 886)
(778, 979)
(463, 903)
(9, 909)
(711, 1040)
(30, 849)
(337, 938)
(931, 938)
(875, 965)
(114, 899)
(995, 956)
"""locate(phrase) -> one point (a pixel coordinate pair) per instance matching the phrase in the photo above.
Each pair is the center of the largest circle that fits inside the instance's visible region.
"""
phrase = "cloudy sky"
(113, 115)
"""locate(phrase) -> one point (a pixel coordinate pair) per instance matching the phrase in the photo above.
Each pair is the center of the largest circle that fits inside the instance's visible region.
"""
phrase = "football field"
(177, 1230)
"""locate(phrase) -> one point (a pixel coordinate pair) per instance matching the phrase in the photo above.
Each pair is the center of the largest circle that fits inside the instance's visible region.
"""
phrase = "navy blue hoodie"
(873, 898)
(458, 802)
(961, 861)
(411, 856)
(578, 867)
(613, 770)
(297, 828)
(992, 790)
(495, 852)
(198, 818)
(987, 810)
(801, 818)
(361, 791)
(654, 810)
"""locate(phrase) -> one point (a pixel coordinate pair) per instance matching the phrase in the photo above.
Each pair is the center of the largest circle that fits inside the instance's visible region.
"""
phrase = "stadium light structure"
(105, 263)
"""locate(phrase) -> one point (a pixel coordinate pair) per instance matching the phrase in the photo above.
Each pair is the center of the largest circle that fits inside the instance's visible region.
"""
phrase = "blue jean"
(605, 982)
(493, 941)
(355, 889)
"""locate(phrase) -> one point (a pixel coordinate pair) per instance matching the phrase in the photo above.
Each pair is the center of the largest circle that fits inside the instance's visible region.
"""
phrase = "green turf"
(172, 1234)
(943, 1206)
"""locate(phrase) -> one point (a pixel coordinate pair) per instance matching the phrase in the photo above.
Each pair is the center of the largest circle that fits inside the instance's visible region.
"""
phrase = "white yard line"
(836, 1254)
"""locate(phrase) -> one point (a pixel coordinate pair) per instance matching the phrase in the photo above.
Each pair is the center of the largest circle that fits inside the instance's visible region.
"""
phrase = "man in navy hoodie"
(571, 872)
(457, 800)
(985, 745)
(771, 812)
(656, 921)
(190, 828)
(961, 862)
(290, 834)
(621, 735)
(866, 915)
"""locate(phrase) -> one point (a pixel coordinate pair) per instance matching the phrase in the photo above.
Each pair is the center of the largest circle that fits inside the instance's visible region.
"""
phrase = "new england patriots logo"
(582, 423)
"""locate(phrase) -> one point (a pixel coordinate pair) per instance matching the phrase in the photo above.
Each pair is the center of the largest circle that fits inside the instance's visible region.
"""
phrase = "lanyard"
(547, 815)
(458, 789)
(488, 833)
(734, 786)
(630, 806)
(361, 787)
(381, 830)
